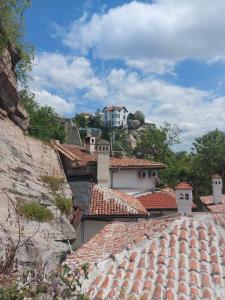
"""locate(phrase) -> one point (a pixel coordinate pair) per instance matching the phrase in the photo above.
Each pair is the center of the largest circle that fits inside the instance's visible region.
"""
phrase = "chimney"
(217, 185)
(184, 198)
(90, 144)
(103, 163)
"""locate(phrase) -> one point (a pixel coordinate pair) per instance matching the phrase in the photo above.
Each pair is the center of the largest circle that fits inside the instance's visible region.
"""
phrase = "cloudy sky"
(164, 57)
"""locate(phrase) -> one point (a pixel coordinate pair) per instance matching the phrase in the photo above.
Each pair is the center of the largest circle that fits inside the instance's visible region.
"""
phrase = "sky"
(163, 57)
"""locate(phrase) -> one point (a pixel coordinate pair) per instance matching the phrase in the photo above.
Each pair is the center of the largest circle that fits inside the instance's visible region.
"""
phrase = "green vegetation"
(44, 122)
(64, 204)
(12, 33)
(155, 142)
(54, 183)
(34, 211)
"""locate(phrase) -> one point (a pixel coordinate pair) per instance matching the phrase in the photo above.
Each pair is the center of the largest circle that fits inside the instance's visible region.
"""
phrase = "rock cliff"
(9, 99)
(23, 163)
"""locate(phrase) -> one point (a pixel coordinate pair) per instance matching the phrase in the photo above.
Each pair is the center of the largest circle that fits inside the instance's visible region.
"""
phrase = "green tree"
(44, 122)
(96, 120)
(138, 115)
(81, 121)
(155, 142)
(12, 34)
(208, 158)
(179, 168)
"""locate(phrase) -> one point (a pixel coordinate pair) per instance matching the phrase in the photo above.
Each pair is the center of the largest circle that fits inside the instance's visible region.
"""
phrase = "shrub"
(54, 182)
(64, 204)
(35, 211)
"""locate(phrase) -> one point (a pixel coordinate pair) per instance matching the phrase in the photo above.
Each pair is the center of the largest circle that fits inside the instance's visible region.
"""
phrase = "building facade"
(115, 116)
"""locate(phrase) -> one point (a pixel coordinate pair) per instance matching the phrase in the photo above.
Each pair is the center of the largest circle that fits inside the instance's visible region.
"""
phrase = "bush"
(35, 211)
(64, 204)
(54, 182)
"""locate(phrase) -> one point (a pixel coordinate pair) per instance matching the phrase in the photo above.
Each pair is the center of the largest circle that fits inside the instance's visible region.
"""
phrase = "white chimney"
(217, 186)
(184, 198)
(103, 149)
(90, 144)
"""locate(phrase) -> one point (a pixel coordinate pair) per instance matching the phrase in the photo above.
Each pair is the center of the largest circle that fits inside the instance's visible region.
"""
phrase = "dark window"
(181, 196)
(186, 197)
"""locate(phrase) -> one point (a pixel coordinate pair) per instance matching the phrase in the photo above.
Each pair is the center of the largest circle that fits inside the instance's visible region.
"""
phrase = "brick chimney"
(90, 144)
(103, 149)
(217, 185)
(184, 198)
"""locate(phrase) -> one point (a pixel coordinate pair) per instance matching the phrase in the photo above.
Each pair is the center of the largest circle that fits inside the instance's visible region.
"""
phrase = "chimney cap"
(103, 142)
(183, 186)
(216, 176)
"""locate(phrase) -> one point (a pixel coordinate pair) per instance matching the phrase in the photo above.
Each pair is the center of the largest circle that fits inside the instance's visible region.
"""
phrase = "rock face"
(23, 160)
(9, 98)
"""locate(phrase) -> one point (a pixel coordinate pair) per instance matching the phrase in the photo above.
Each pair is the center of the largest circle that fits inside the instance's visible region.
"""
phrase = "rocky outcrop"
(9, 99)
(23, 161)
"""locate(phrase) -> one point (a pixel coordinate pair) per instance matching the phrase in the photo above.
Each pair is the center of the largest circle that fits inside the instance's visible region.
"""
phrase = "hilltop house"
(115, 116)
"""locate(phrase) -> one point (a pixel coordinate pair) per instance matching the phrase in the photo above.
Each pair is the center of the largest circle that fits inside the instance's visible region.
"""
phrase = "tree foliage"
(44, 121)
(209, 158)
(81, 121)
(155, 142)
(96, 120)
(138, 115)
(12, 34)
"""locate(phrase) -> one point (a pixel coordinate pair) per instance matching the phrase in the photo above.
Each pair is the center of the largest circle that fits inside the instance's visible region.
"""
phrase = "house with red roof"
(169, 258)
(95, 162)
(167, 201)
(105, 206)
(216, 201)
(115, 116)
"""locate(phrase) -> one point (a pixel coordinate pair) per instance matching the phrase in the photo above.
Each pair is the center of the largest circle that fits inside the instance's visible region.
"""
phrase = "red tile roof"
(165, 199)
(112, 202)
(208, 202)
(158, 200)
(173, 258)
(133, 162)
(183, 186)
(85, 158)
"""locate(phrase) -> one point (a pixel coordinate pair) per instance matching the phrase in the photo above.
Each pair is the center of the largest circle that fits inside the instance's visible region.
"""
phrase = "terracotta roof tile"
(112, 202)
(208, 202)
(183, 186)
(84, 158)
(143, 275)
(159, 200)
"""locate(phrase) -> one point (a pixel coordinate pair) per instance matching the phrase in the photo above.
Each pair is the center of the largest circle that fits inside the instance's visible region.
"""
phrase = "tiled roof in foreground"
(177, 258)
(112, 202)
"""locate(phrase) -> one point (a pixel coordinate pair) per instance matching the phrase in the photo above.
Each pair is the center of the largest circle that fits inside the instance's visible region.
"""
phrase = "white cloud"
(60, 105)
(154, 36)
(194, 111)
(62, 82)
(55, 70)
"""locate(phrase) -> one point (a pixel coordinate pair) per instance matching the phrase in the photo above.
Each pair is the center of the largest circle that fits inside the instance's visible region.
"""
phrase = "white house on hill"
(115, 116)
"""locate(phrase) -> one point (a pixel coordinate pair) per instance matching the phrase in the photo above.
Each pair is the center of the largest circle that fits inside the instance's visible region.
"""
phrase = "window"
(186, 197)
(124, 117)
(181, 196)
(119, 122)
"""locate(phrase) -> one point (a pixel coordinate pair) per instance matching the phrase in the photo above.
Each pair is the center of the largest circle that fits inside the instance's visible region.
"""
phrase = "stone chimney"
(184, 198)
(103, 148)
(90, 144)
(217, 185)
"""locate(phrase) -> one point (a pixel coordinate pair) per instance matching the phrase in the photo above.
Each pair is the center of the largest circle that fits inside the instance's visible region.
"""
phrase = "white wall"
(128, 179)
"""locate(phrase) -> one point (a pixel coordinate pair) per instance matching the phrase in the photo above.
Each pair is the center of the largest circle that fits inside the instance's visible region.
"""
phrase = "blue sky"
(164, 57)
